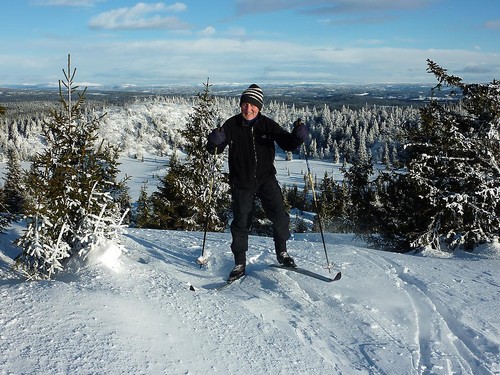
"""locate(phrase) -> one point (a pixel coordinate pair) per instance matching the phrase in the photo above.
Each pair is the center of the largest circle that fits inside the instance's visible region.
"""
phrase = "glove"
(300, 131)
(216, 137)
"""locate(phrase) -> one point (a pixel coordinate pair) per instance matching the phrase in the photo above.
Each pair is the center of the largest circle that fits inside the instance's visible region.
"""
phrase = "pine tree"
(295, 199)
(357, 179)
(70, 186)
(167, 203)
(121, 196)
(6, 216)
(395, 205)
(14, 187)
(455, 158)
(334, 200)
(199, 173)
(143, 217)
(182, 200)
(450, 195)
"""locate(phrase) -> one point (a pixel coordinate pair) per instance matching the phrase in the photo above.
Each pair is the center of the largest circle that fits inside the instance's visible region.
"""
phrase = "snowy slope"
(135, 314)
(130, 310)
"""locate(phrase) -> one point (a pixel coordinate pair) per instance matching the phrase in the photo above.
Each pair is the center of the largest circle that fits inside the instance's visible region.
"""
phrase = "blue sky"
(242, 41)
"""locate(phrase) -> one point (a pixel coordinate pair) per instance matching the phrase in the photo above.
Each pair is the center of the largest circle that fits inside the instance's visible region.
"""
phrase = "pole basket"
(329, 266)
(202, 261)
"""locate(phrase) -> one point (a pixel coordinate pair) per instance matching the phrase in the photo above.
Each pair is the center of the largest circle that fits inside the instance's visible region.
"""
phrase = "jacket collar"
(251, 122)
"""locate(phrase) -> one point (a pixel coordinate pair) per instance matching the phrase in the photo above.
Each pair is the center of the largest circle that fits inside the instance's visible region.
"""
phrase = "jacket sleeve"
(285, 140)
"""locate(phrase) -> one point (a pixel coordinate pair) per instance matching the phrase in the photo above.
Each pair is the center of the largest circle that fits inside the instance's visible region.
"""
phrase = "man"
(251, 136)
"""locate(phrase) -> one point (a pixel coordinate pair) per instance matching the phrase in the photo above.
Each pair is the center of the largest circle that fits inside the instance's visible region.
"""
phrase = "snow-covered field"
(132, 309)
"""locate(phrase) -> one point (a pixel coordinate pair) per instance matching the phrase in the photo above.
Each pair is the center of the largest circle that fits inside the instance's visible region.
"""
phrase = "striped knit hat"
(253, 95)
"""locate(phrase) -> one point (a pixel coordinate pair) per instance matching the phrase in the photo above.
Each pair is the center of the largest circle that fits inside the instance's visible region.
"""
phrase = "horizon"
(334, 95)
(235, 85)
(269, 42)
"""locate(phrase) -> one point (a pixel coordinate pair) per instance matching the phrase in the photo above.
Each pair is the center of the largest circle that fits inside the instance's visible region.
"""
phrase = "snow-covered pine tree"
(455, 157)
(5, 217)
(202, 171)
(186, 189)
(450, 196)
(5, 214)
(14, 190)
(70, 188)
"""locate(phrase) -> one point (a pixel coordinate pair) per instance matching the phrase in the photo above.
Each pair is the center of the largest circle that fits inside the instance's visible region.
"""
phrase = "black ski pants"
(271, 197)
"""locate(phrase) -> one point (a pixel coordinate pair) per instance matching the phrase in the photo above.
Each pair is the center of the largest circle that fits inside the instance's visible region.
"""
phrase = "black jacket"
(251, 149)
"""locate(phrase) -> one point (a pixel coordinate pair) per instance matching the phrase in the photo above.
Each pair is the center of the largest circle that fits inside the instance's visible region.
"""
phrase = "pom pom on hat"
(253, 95)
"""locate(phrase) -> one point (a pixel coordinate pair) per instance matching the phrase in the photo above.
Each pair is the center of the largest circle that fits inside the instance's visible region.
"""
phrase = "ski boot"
(286, 260)
(237, 272)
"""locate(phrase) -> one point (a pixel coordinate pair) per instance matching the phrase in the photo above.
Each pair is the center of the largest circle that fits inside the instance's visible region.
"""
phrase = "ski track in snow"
(389, 314)
(443, 344)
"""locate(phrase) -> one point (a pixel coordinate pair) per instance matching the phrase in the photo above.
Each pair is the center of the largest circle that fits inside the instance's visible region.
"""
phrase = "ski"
(229, 282)
(222, 285)
(309, 273)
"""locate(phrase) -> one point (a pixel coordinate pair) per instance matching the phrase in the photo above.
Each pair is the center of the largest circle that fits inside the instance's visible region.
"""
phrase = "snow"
(130, 308)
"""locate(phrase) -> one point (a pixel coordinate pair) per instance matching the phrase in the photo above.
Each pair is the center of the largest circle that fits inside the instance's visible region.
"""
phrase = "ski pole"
(202, 260)
(316, 206)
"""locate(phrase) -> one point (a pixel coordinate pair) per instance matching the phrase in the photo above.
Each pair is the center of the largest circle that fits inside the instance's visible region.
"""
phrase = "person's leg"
(243, 201)
(271, 197)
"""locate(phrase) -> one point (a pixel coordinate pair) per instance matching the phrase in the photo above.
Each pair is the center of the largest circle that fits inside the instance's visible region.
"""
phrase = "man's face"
(249, 111)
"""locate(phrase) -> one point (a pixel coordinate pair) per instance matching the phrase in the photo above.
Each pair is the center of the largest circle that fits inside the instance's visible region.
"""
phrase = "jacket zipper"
(255, 155)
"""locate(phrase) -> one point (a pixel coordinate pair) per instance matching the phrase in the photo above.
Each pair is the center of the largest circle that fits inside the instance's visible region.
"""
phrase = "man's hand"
(217, 137)
(300, 131)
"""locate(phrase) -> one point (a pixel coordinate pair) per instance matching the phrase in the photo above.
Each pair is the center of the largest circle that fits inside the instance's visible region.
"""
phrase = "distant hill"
(334, 96)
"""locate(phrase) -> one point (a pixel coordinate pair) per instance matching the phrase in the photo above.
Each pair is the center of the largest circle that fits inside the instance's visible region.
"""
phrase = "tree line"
(153, 124)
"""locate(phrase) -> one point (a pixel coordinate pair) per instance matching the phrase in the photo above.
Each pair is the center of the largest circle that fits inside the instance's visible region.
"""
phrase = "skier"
(251, 137)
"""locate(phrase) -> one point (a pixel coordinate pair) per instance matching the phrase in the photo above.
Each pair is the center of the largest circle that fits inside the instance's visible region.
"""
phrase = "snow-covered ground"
(132, 309)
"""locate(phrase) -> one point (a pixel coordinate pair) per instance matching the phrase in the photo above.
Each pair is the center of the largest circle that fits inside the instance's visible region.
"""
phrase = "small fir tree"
(361, 196)
(143, 217)
(167, 203)
(334, 201)
(182, 201)
(70, 185)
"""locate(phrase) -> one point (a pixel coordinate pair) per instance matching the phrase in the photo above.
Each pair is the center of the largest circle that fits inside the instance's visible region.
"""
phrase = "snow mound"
(105, 252)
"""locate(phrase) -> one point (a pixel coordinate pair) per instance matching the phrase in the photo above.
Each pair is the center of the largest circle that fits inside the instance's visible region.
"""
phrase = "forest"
(153, 122)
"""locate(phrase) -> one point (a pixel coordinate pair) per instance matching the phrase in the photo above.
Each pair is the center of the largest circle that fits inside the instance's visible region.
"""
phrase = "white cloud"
(207, 31)
(279, 60)
(237, 32)
(140, 16)
(166, 61)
